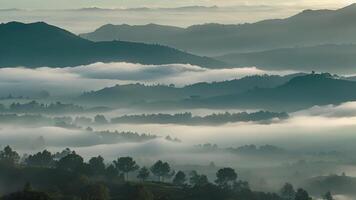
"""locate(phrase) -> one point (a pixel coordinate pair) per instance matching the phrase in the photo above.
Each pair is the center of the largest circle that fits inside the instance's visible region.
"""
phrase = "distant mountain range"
(40, 44)
(326, 58)
(308, 28)
(275, 93)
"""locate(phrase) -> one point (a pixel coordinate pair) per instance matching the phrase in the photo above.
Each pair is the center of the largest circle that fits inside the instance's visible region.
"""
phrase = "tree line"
(100, 181)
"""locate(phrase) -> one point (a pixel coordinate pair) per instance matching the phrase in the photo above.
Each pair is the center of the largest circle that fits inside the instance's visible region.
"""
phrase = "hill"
(308, 28)
(40, 44)
(139, 93)
(298, 93)
(331, 58)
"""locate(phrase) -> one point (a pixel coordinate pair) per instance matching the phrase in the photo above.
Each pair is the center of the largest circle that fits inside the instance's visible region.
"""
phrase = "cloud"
(59, 81)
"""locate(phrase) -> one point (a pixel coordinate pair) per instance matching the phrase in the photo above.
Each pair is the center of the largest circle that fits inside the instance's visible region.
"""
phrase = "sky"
(68, 14)
(71, 4)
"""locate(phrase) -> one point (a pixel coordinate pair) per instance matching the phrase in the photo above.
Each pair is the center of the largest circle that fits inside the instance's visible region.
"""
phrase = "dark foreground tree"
(198, 179)
(180, 178)
(328, 196)
(9, 157)
(126, 165)
(111, 172)
(287, 192)
(161, 170)
(71, 162)
(143, 173)
(302, 195)
(41, 159)
(226, 177)
(96, 165)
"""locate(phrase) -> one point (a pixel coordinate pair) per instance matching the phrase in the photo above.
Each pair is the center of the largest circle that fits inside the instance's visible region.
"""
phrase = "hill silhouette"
(40, 44)
(308, 28)
(140, 94)
(298, 93)
(331, 58)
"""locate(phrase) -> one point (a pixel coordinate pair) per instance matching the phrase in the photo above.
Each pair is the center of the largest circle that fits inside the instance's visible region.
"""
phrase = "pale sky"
(69, 4)
(63, 13)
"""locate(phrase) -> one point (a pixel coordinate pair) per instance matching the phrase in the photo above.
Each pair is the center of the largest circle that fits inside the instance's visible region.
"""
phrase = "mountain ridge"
(40, 44)
(308, 28)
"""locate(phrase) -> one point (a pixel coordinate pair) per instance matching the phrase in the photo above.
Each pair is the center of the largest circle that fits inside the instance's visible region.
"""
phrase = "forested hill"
(40, 44)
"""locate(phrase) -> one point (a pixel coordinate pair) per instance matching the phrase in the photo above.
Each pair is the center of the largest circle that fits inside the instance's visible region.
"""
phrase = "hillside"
(330, 58)
(308, 28)
(40, 44)
(300, 92)
(138, 93)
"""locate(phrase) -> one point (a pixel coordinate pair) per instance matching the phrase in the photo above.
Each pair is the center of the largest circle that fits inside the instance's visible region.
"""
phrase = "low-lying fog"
(325, 128)
(59, 81)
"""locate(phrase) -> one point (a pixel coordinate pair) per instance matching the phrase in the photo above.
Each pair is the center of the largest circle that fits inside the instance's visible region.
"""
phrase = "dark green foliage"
(302, 195)
(96, 165)
(226, 177)
(111, 172)
(328, 196)
(41, 159)
(287, 192)
(36, 107)
(126, 165)
(187, 118)
(161, 170)
(180, 178)
(8, 157)
(198, 179)
(73, 179)
(71, 162)
(143, 173)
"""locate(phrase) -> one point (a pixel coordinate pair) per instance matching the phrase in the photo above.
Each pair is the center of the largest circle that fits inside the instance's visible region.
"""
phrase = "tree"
(100, 119)
(302, 195)
(95, 192)
(126, 165)
(41, 159)
(287, 192)
(96, 165)
(197, 179)
(226, 177)
(328, 196)
(180, 178)
(70, 162)
(111, 172)
(143, 173)
(9, 157)
(161, 170)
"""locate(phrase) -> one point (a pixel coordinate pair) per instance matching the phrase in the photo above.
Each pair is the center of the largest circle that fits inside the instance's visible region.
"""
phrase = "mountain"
(121, 95)
(298, 93)
(308, 28)
(275, 93)
(40, 44)
(330, 58)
